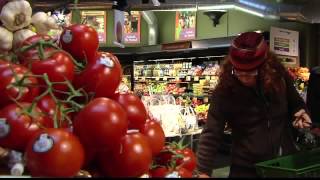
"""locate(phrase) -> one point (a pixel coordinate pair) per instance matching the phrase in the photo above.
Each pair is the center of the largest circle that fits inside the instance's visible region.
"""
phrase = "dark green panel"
(206, 29)
(166, 24)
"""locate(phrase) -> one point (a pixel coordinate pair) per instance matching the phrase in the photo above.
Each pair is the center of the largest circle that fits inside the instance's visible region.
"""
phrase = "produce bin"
(302, 164)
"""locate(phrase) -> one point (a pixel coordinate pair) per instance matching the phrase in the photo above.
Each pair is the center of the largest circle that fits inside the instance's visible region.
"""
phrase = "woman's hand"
(302, 119)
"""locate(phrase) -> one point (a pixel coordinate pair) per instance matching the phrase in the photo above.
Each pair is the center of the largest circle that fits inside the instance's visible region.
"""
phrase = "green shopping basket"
(301, 164)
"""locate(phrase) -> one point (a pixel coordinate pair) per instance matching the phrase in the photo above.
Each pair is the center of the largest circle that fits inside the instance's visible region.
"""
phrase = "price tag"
(196, 78)
(136, 78)
(188, 78)
(177, 78)
(165, 78)
(157, 78)
(143, 78)
(208, 78)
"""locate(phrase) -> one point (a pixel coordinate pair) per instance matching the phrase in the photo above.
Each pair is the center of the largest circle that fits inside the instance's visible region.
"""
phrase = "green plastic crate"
(302, 164)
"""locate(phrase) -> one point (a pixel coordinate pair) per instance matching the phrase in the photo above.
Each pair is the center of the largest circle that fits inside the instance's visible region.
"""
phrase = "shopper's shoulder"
(221, 95)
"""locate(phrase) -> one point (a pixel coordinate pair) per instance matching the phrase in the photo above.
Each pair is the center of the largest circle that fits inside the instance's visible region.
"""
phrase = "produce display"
(61, 114)
(300, 76)
(202, 111)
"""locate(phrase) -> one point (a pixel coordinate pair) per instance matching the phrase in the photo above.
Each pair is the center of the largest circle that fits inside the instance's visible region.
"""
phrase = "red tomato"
(54, 153)
(81, 41)
(102, 76)
(59, 67)
(159, 172)
(189, 159)
(101, 123)
(17, 127)
(135, 109)
(184, 173)
(48, 106)
(27, 56)
(165, 156)
(155, 136)
(133, 159)
(11, 74)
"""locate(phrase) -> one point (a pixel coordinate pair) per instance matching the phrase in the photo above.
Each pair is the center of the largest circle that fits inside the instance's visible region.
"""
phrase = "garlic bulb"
(6, 38)
(16, 15)
(43, 23)
(20, 36)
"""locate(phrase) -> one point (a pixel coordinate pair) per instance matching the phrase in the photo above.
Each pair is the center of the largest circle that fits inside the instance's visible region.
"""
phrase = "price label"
(157, 78)
(177, 78)
(208, 78)
(136, 78)
(165, 78)
(143, 78)
(188, 78)
(196, 78)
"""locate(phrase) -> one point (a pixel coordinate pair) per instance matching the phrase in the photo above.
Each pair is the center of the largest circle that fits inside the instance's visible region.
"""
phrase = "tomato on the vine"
(137, 114)
(102, 76)
(48, 107)
(54, 153)
(26, 56)
(16, 82)
(183, 172)
(188, 161)
(101, 123)
(165, 156)
(81, 41)
(155, 136)
(159, 172)
(51, 60)
(58, 66)
(133, 159)
(17, 126)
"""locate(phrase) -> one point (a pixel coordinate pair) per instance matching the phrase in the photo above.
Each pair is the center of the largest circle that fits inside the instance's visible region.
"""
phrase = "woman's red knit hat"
(248, 51)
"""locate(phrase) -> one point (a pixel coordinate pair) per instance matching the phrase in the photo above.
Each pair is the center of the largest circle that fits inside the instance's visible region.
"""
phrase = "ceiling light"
(216, 7)
(249, 11)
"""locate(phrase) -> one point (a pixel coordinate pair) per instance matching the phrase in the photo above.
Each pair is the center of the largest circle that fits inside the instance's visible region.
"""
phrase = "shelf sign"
(185, 27)
(165, 78)
(143, 78)
(196, 78)
(136, 78)
(132, 27)
(157, 78)
(188, 78)
(208, 78)
(97, 20)
(177, 78)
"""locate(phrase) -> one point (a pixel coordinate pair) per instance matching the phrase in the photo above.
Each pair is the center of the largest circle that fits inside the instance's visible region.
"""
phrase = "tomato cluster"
(174, 160)
(60, 107)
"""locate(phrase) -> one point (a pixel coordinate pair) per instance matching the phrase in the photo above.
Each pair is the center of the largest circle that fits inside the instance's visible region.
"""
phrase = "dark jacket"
(313, 94)
(260, 125)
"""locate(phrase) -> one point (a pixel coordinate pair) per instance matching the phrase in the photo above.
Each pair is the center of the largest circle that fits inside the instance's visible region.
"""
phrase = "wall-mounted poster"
(132, 27)
(185, 28)
(96, 19)
(284, 42)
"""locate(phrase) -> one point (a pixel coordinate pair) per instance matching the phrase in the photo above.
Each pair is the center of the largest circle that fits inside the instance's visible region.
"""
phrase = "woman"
(256, 96)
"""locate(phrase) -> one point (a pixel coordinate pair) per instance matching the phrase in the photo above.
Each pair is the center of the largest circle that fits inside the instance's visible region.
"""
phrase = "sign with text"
(284, 42)
(132, 27)
(96, 19)
(185, 28)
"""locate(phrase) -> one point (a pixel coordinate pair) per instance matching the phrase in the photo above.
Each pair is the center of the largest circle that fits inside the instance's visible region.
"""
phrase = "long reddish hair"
(271, 75)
